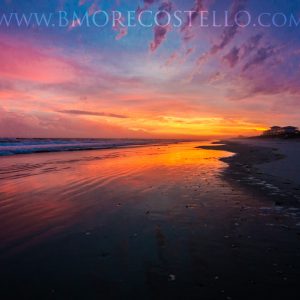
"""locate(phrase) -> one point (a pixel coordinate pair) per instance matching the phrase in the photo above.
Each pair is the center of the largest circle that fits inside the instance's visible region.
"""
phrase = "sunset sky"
(168, 82)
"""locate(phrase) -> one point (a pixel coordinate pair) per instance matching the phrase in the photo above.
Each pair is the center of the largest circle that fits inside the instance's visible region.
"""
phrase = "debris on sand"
(172, 277)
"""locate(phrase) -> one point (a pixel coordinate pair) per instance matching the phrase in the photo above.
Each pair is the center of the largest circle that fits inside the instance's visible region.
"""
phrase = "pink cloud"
(122, 32)
(173, 57)
(230, 31)
(160, 34)
(32, 63)
(232, 57)
(261, 55)
(196, 10)
(82, 2)
(147, 4)
(94, 7)
(191, 19)
(161, 30)
(227, 36)
(15, 124)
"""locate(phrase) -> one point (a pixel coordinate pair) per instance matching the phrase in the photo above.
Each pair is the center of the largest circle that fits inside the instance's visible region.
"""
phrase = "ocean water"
(9, 146)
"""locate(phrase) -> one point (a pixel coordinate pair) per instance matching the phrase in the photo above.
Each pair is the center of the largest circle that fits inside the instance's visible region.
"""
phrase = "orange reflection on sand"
(52, 192)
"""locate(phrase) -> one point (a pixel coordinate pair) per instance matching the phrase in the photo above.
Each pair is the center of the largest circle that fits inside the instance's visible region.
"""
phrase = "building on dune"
(277, 131)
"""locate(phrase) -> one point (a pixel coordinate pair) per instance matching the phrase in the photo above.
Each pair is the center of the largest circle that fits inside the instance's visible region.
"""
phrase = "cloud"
(95, 6)
(147, 4)
(120, 28)
(180, 58)
(45, 73)
(160, 31)
(51, 125)
(236, 54)
(82, 2)
(251, 45)
(230, 31)
(159, 36)
(90, 113)
(227, 36)
(122, 33)
(196, 11)
(256, 79)
(260, 56)
(165, 6)
(173, 57)
(232, 57)
(189, 51)
(32, 63)
(215, 77)
(6, 85)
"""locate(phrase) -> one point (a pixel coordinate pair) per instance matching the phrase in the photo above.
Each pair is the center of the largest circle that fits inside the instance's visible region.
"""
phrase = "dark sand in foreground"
(156, 222)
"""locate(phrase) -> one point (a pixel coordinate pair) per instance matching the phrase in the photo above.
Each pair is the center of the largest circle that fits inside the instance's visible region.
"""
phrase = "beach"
(269, 165)
(160, 221)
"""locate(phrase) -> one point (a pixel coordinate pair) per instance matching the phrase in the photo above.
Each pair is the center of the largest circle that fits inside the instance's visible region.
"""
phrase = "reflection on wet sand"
(44, 193)
(155, 222)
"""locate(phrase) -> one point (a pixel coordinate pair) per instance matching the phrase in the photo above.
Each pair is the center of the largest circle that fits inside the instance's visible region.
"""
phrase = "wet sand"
(268, 165)
(156, 222)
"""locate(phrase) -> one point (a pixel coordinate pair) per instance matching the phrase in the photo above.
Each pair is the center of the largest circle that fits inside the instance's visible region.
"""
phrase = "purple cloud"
(260, 56)
(160, 31)
(159, 36)
(229, 32)
(226, 37)
(232, 57)
(196, 11)
(237, 54)
(147, 4)
(251, 45)
(90, 113)
(165, 6)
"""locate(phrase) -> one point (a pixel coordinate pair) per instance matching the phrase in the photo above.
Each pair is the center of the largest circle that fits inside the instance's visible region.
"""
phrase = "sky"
(210, 72)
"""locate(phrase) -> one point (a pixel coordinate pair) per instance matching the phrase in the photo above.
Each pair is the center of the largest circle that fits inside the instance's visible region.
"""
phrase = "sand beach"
(151, 222)
(269, 165)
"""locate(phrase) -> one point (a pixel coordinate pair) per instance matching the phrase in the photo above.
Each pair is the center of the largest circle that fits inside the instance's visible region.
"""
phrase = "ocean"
(13, 146)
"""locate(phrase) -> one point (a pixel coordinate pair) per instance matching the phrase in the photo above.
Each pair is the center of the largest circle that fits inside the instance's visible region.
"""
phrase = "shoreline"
(262, 167)
(147, 222)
